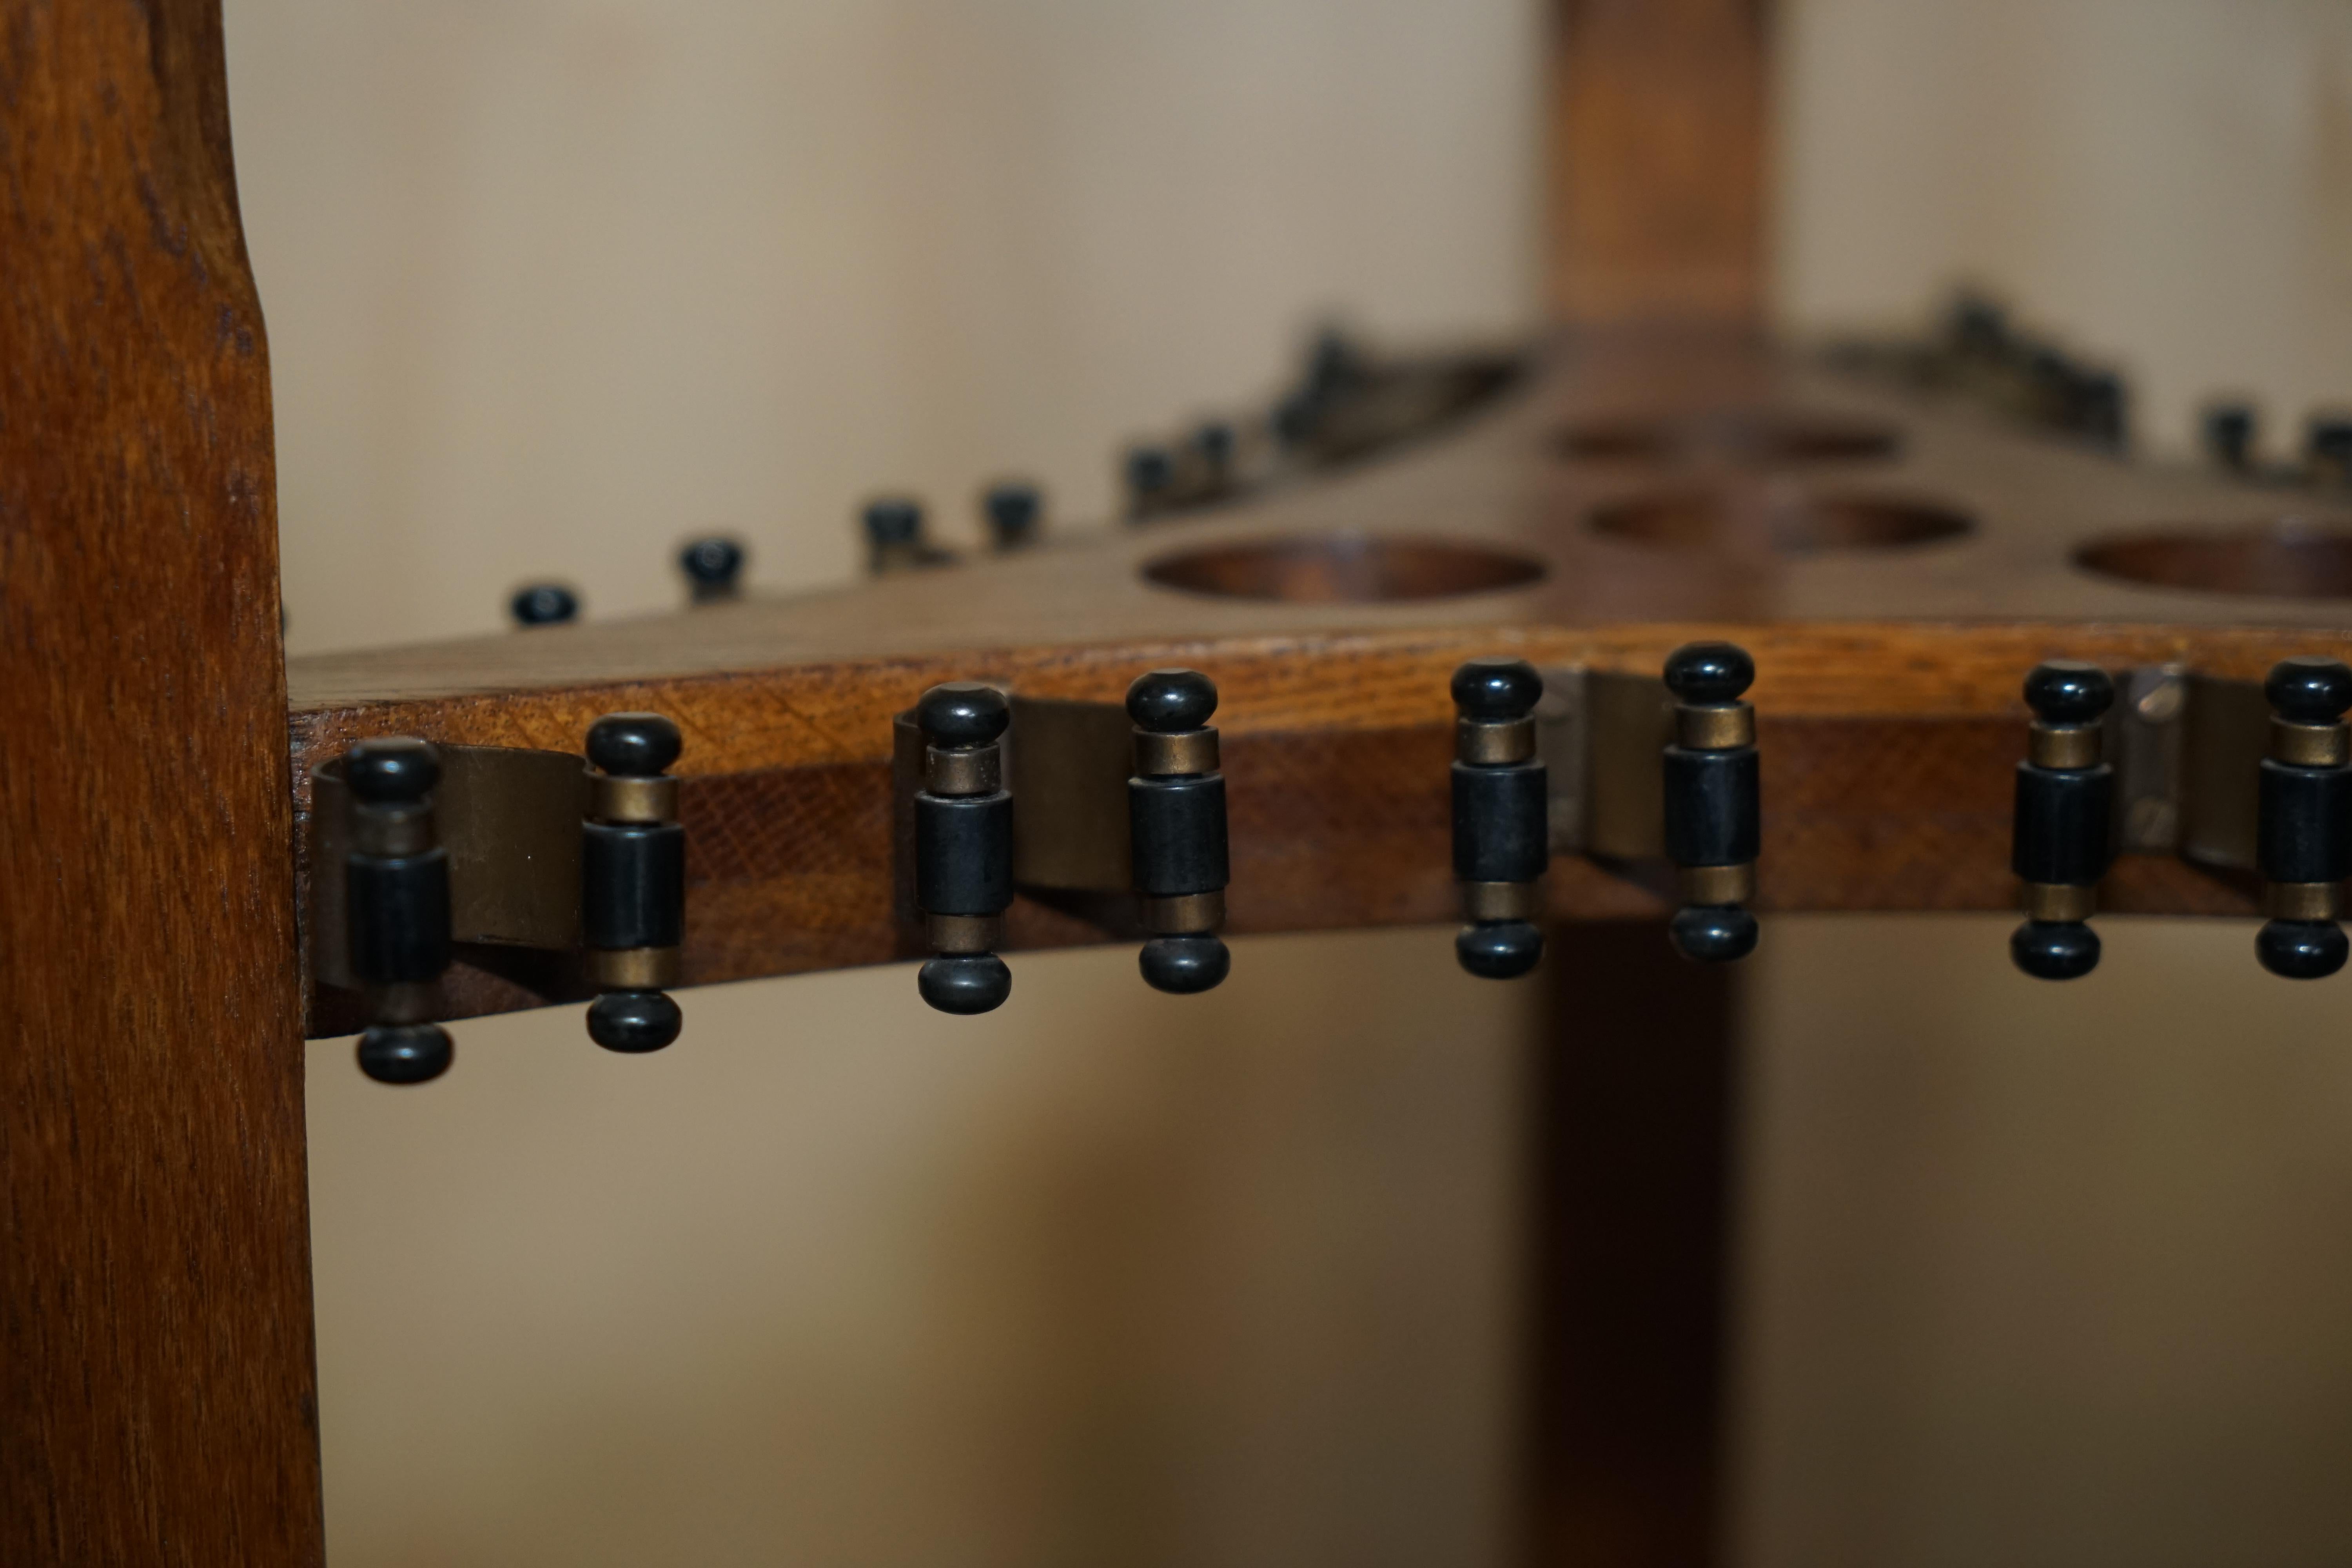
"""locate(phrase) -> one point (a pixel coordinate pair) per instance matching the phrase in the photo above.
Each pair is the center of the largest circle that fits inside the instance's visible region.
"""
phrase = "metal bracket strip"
(2186, 749)
(510, 819)
(1600, 733)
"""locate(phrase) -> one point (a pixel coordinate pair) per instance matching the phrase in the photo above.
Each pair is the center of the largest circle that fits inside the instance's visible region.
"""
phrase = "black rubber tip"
(406, 1053)
(392, 770)
(1706, 674)
(1149, 470)
(1499, 950)
(1182, 965)
(2230, 433)
(2309, 688)
(1713, 934)
(2055, 949)
(2302, 950)
(1171, 701)
(1012, 509)
(1214, 440)
(634, 745)
(2328, 438)
(894, 519)
(1497, 688)
(713, 563)
(2068, 692)
(633, 1022)
(965, 982)
(959, 713)
(543, 605)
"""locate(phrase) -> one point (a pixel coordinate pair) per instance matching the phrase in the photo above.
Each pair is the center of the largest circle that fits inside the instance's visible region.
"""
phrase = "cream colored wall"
(554, 283)
(1107, 1276)
(1104, 1276)
(2168, 181)
(2045, 1274)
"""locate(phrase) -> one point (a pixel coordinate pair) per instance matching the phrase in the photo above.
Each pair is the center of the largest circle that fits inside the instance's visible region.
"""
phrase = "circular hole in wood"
(1344, 568)
(1755, 437)
(2290, 558)
(1787, 524)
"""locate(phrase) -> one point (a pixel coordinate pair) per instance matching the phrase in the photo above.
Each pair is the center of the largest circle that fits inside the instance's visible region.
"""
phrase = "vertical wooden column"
(1632, 1212)
(1658, 136)
(157, 1400)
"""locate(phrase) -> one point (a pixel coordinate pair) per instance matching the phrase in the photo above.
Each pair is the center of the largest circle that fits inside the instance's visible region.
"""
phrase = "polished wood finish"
(1888, 684)
(1635, 1090)
(1658, 127)
(157, 1403)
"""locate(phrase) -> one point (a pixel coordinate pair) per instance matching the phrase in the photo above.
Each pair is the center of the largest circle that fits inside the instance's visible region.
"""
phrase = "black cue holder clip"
(561, 873)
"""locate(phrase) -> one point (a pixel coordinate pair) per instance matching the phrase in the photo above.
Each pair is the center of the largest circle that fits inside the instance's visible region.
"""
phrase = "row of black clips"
(2063, 845)
(1177, 826)
(963, 838)
(1712, 810)
(631, 893)
(632, 847)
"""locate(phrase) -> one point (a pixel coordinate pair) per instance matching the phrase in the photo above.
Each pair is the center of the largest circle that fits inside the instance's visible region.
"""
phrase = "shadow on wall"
(2041, 1272)
(1104, 1277)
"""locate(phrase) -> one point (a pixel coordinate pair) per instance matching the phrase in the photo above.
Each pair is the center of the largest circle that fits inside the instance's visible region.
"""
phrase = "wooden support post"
(1632, 1212)
(157, 1398)
(1657, 161)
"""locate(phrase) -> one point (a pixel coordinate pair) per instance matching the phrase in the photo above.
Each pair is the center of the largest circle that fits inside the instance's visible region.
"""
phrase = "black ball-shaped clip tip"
(2302, 950)
(1171, 701)
(633, 1022)
(2230, 428)
(713, 563)
(2309, 688)
(959, 714)
(1149, 470)
(1214, 440)
(894, 519)
(392, 770)
(634, 745)
(966, 983)
(1713, 934)
(406, 1053)
(1496, 688)
(543, 605)
(1184, 965)
(1499, 950)
(2055, 949)
(1709, 674)
(1012, 509)
(2066, 691)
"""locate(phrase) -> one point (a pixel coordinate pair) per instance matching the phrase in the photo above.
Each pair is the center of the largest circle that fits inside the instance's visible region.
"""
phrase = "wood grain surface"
(1658, 126)
(157, 1400)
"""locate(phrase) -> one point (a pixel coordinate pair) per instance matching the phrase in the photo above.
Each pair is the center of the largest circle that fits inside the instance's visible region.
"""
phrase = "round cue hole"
(1344, 568)
(1793, 525)
(1751, 437)
(2289, 558)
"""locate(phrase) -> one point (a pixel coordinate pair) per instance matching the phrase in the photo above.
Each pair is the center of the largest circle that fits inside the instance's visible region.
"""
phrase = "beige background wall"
(2167, 183)
(2032, 1275)
(552, 283)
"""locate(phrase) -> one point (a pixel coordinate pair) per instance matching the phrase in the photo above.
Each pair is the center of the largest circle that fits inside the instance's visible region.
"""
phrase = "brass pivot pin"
(1713, 805)
(1502, 839)
(396, 887)
(2060, 840)
(1176, 822)
(633, 881)
(2303, 833)
(963, 845)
